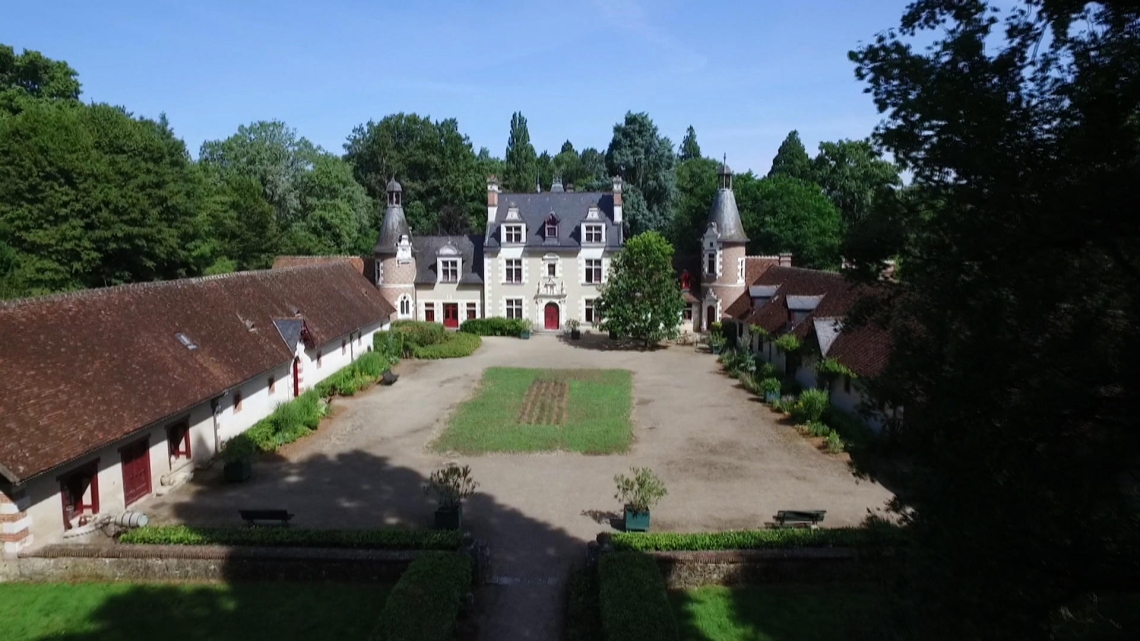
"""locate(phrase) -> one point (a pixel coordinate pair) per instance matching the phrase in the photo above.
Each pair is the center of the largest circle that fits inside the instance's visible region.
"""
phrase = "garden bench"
(252, 516)
(799, 518)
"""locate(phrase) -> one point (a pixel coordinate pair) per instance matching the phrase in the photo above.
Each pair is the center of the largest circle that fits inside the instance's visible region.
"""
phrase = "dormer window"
(449, 270)
(593, 233)
(513, 234)
(551, 228)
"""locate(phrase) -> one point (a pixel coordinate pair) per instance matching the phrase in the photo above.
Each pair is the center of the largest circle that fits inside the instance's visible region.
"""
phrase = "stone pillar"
(15, 524)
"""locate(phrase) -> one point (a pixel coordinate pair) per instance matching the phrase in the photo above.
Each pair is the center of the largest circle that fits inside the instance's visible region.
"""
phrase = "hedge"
(495, 326)
(874, 537)
(289, 422)
(426, 601)
(583, 612)
(456, 345)
(415, 334)
(389, 539)
(364, 371)
(389, 344)
(633, 599)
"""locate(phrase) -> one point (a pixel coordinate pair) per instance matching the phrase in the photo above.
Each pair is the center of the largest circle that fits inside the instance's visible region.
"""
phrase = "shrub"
(810, 406)
(289, 422)
(451, 484)
(787, 343)
(850, 537)
(751, 384)
(389, 344)
(641, 491)
(426, 601)
(834, 443)
(817, 428)
(415, 334)
(495, 326)
(356, 376)
(583, 612)
(766, 370)
(239, 448)
(829, 368)
(770, 385)
(389, 539)
(633, 600)
(454, 345)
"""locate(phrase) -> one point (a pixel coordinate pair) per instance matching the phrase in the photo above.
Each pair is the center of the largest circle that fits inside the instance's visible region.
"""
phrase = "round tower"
(723, 248)
(395, 264)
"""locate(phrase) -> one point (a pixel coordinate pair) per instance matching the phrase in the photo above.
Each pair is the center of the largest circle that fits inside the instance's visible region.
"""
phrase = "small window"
(590, 315)
(513, 234)
(594, 234)
(238, 398)
(710, 263)
(551, 270)
(551, 229)
(405, 306)
(343, 346)
(594, 270)
(449, 271)
(514, 270)
(178, 440)
(687, 314)
(272, 384)
(471, 311)
(514, 308)
(429, 312)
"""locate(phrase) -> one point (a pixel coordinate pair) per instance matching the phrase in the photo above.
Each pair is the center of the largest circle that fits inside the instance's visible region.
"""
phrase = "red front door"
(552, 316)
(451, 314)
(136, 471)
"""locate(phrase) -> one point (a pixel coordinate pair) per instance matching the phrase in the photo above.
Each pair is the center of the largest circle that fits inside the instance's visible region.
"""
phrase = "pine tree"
(521, 164)
(792, 159)
(689, 147)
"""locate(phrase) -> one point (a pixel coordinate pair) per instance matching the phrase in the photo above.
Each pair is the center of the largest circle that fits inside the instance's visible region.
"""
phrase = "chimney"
(492, 199)
(785, 260)
(617, 200)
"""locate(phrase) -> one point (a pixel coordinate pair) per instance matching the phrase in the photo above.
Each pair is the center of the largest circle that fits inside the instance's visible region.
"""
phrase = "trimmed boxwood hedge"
(875, 537)
(495, 326)
(426, 601)
(633, 599)
(390, 539)
(454, 345)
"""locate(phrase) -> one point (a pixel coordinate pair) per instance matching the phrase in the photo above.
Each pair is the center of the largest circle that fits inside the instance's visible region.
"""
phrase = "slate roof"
(726, 216)
(393, 226)
(86, 369)
(284, 262)
(570, 208)
(427, 248)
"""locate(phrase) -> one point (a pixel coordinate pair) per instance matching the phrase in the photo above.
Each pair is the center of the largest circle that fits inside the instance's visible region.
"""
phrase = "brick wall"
(15, 524)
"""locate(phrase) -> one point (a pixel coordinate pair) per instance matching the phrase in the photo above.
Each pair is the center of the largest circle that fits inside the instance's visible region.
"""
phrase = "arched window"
(405, 306)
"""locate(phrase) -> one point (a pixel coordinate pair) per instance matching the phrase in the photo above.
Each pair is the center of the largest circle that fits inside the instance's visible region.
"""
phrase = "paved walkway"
(725, 459)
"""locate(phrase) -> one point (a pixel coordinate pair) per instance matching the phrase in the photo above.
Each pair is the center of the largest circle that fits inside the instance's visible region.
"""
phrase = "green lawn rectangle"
(184, 612)
(597, 414)
(773, 612)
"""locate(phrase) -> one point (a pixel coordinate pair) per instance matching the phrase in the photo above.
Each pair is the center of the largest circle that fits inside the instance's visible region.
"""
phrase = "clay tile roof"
(284, 262)
(86, 369)
(864, 350)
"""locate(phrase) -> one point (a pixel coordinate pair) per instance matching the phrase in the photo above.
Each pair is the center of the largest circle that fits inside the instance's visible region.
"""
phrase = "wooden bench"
(798, 518)
(252, 516)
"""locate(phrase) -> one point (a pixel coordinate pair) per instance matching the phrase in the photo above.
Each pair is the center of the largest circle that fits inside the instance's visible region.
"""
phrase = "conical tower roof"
(395, 224)
(724, 211)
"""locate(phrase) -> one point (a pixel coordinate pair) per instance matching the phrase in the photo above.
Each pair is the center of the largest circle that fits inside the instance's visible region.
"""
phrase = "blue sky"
(743, 73)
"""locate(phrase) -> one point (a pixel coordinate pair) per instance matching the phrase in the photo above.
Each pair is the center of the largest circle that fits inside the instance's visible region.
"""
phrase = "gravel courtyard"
(724, 457)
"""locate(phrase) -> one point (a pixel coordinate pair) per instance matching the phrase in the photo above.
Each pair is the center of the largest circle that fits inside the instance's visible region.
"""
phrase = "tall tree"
(568, 165)
(521, 168)
(1015, 339)
(645, 160)
(784, 214)
(689, 148)
(641, 298)
(696, 189)
(434, 162)
(594, 176)
(90, 196)
(792, 159)
(853, 173)
(32, 76)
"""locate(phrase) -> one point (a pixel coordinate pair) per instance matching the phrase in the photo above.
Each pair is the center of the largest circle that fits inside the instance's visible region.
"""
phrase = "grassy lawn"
(536, 410)
(770, 613)
(188, 611)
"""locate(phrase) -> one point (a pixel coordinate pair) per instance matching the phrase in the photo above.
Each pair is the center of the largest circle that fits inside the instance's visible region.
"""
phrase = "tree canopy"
(641, 298)
(853, 174)
(792, 159)
(32, 76)
(690, 150)
(1015, 343)
(521, 161)
(784, 214)
(645, 160)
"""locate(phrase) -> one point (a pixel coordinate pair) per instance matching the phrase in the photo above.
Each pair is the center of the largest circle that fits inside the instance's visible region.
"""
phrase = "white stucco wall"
(569, 290)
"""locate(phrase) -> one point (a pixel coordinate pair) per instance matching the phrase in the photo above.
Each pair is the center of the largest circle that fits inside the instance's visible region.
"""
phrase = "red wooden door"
(136, 471)
(552, 316)
(451, 314)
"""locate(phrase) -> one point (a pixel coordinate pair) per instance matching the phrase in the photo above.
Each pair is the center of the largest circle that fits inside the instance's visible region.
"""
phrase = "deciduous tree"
(853, 173)
(32, 76)
(784, 214)
(645, 160)
(641, 298)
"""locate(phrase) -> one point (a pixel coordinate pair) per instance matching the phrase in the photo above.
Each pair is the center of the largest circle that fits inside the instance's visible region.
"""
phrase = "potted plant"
(450, 485)
(638, 494)
(771, 389)
(573, 324)
(525, 332)
(716, 343)
(237, 455)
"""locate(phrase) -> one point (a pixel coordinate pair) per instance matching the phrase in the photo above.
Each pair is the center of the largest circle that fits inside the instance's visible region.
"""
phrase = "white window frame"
(510, 231)
(589, 229)
(507, 269)
(513, 305)
(404, 306)
(447, 265)
(590, 311)
(587, 271)
(710, 257)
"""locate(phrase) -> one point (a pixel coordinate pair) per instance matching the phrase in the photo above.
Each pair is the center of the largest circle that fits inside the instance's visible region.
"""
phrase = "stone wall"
(205, 563)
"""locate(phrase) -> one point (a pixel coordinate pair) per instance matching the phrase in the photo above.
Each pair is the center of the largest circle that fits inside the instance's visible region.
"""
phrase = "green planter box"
(715, 349)
(771, 397)
(636, 521)
(449, 518)
(525, 334)
(237, 471)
